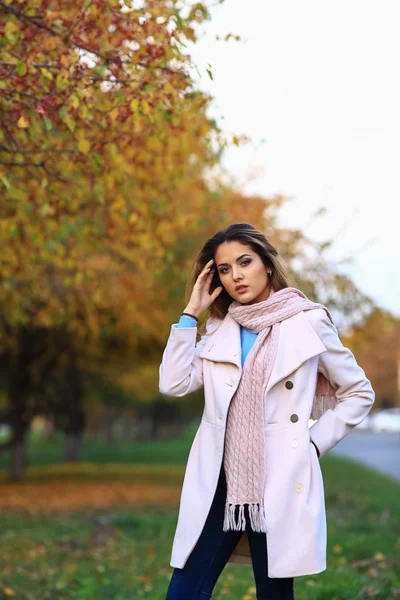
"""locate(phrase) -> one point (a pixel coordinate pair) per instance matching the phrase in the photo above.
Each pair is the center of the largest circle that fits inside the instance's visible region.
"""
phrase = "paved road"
(376, 450)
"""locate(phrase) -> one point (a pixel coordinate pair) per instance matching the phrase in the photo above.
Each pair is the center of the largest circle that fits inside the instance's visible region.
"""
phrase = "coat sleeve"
(181, 369)
(354, 391)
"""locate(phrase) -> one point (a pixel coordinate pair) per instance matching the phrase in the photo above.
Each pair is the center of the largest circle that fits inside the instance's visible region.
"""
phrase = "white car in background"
(386, 421)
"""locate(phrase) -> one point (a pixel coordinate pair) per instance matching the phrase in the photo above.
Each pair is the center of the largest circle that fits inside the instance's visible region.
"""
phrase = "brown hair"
(245, 234)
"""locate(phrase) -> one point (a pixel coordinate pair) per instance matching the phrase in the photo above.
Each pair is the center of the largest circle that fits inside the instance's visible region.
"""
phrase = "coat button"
(289, 385)
(294, 443)
(294, 418)
(299, 487)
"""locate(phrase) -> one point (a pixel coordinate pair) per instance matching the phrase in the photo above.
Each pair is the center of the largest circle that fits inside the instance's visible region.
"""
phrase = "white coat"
(294, 502)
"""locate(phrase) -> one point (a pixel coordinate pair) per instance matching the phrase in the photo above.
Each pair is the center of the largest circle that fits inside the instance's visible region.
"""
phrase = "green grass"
(123, 554)
(174, 451)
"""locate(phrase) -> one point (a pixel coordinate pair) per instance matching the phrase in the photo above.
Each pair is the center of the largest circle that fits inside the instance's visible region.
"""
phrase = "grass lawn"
(50, 452)
(104, 531)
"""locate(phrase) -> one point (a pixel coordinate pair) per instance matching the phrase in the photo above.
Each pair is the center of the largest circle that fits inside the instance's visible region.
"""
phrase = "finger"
(205, 271)
(208, 265)
(202, 276)
(207, 274)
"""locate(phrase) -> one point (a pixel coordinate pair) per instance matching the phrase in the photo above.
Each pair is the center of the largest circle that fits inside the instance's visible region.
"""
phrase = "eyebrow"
(226, 264)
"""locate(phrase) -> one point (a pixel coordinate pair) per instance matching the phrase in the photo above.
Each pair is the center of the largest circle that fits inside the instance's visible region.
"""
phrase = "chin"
(247, 301)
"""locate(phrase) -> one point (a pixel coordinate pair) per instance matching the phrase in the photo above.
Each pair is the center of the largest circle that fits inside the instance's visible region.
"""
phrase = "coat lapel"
(297, 343)
(224, 343)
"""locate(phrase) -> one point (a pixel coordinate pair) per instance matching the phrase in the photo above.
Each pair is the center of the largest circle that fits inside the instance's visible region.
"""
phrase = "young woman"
(269, 360)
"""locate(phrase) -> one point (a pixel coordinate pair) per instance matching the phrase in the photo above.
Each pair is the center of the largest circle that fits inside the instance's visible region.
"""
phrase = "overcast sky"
(316, 86)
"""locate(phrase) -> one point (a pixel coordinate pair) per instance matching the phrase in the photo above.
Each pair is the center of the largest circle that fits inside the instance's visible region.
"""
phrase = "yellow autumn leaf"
(84, 146)
(23, 123)
(379, 556)
(70, 123)
(134, 105)
(169, 88)
(10, 27)
(64, 61)
(74, 101)
(146, 107)
(9, 591)
(114, 114)
(47, 73)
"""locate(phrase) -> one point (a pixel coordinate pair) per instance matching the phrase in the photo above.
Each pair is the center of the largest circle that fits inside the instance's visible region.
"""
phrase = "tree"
(102, 133)
(376, 345)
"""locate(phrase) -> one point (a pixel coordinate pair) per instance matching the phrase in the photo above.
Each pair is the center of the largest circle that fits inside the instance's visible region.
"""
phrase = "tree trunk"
(17, 460)
(20, 421)
(72, 396)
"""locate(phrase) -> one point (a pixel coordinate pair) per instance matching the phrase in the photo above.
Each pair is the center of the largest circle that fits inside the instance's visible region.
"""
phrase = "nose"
(236, 274)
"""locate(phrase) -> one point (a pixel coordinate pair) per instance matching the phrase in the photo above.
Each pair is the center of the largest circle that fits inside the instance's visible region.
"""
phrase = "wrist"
(193, 311)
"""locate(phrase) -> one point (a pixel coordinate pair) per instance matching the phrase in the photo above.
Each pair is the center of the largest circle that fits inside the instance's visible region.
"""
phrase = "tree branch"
(23, 164)
(31, 20)
(26, 95)
(21, 15)
(40, 151)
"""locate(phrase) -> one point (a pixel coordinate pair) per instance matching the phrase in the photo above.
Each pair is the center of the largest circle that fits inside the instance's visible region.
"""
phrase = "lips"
(241, 288)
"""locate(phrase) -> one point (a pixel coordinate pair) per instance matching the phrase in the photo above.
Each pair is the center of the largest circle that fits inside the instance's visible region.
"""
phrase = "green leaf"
(210, 74)
(179, 20)
(17, 193)
(100, 70)
(97, 158)
(48, 124)
(29, 208)
(63, 112)
(167, 115)
(21, 68)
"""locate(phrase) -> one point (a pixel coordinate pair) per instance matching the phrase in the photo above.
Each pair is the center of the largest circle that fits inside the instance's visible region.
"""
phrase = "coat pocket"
(275, 426)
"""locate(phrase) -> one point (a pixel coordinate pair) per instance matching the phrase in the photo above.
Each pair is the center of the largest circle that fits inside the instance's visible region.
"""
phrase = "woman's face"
(238, 264)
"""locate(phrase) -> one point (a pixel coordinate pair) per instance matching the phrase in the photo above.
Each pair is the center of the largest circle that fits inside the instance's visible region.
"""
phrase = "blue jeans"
(196, 580)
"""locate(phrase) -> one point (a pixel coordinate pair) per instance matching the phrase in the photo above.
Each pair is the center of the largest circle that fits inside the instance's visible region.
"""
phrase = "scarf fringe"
(256, 514)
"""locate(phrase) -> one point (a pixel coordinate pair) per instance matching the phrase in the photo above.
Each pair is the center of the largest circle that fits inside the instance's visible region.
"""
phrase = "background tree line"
(111, 179)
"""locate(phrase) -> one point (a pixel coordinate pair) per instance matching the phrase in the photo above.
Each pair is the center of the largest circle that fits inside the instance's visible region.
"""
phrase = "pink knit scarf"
(244, 460)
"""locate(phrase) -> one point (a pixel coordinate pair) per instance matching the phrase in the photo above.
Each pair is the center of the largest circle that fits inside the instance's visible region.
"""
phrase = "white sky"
(316, 85)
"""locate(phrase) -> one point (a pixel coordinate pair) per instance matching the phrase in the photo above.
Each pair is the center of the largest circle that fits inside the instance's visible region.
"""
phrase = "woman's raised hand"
(201, 299)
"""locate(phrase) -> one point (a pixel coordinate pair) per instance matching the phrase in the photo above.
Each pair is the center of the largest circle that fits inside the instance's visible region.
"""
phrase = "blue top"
(247, 338)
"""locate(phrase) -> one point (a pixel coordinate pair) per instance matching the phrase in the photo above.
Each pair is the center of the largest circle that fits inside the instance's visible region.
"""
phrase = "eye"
(244, 262)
